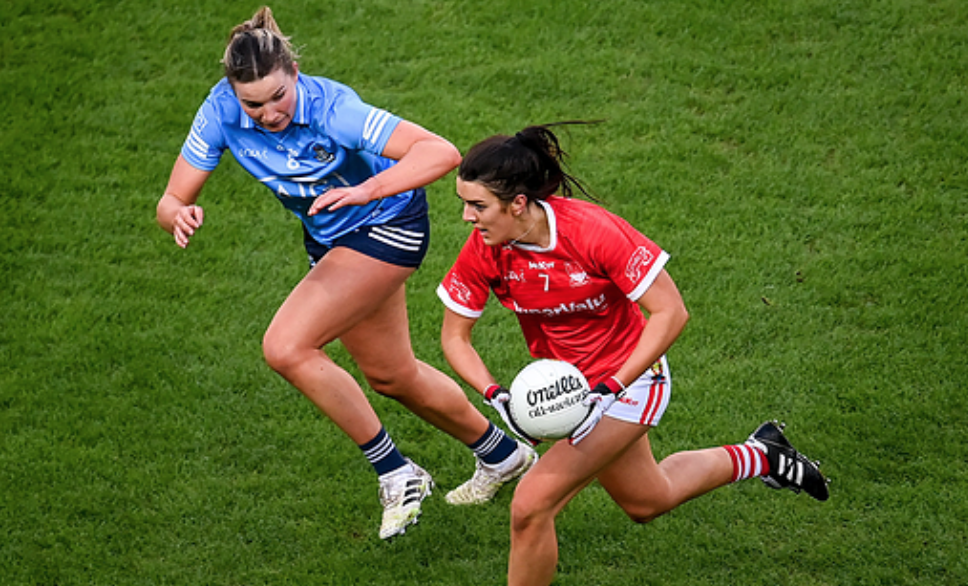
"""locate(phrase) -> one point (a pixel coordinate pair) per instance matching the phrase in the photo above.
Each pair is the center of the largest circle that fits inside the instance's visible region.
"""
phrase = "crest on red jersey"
(576, 274)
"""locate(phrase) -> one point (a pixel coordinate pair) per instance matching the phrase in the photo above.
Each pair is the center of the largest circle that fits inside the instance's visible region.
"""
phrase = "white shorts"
(646, 399)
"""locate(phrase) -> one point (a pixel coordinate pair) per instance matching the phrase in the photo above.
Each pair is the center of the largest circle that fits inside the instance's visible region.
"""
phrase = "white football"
(546, 399)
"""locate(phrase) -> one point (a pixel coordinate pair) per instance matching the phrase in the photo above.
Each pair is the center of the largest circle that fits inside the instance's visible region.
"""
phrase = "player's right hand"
(335, 198)
(187, 220)
(497, 396)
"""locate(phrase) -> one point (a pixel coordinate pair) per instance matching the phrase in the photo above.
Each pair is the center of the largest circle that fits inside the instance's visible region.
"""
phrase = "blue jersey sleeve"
(359, 126)
(205, 143)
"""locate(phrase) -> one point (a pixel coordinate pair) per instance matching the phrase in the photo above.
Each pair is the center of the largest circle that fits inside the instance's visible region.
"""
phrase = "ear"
(519, 204)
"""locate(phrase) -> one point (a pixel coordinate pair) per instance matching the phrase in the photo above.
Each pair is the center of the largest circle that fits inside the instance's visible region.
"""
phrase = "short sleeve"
(466, 287)
(205, 143)
(359, 126)
(630, 259)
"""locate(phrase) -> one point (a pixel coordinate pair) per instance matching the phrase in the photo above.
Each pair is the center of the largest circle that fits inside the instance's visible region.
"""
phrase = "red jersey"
(575, 299)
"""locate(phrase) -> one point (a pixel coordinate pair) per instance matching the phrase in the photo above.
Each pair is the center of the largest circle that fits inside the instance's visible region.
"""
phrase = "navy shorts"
(402, 241)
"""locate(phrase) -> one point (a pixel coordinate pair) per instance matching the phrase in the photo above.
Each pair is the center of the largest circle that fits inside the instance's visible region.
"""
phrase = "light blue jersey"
(333, 140)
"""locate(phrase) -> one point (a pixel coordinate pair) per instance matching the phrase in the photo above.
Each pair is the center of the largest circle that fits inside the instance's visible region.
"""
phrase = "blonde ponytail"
(256, 48)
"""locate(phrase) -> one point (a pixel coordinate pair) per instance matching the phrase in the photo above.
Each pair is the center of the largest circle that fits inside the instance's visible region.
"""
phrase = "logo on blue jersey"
(322, 155)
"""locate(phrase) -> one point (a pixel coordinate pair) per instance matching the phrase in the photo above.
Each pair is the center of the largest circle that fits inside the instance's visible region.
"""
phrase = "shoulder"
(573, 207)
(583, 216)
(595, 231)
(316, 86)
(475, 252)
(218, 114)
(475, 248)
(322, 92)
(334, 109)
(222, 103)
(222, 94)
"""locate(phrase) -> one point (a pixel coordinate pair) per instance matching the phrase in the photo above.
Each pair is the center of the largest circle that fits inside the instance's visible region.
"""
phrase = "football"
(546, 399)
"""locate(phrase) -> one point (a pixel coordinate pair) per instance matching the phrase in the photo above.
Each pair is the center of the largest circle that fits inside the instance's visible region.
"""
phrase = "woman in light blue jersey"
(354, 175)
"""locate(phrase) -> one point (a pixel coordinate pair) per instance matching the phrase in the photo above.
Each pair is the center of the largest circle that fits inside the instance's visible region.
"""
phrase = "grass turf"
(804, 163)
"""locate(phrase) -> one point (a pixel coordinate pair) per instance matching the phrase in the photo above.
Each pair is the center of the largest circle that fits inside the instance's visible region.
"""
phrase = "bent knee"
(645, 512)
(642, 518)
(393, 382)
(527, 509)
(280, 354)
(522, 516)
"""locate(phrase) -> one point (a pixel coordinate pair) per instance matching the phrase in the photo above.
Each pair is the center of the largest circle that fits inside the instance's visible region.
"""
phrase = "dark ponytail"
(531, 162)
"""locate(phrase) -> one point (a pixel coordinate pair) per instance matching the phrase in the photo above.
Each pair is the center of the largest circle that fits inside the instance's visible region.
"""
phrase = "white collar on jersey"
(552, 231)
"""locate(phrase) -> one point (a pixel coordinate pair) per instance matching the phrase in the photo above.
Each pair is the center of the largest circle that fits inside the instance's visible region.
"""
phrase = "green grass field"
(803, 161)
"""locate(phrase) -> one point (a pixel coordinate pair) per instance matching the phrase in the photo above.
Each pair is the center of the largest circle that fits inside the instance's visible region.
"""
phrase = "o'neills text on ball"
(563, 386)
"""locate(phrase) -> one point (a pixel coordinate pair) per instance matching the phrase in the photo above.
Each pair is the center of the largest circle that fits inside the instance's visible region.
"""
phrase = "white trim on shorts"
(407, 240)
(646, 399)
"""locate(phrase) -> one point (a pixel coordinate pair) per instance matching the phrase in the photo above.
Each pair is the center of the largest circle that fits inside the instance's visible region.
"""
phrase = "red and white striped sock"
(748, 462)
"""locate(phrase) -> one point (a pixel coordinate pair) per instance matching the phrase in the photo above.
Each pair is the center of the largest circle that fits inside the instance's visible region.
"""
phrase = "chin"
(276, 127)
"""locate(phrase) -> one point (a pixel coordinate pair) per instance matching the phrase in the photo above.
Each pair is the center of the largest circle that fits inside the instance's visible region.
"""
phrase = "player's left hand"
(600, 399)
(338, 197)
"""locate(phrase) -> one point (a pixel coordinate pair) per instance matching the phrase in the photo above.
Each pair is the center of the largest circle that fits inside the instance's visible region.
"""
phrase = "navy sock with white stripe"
(383, 453)
(494, 446)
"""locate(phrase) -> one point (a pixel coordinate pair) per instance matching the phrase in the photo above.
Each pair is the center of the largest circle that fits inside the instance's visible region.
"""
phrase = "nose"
(271, 115)
(468, 214)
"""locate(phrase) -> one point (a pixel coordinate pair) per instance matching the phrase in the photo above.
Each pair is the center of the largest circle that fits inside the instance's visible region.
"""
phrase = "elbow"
(683, 317)
(444, 152)
(452, 156)
(454, 343)
(159, 212)
(448, 347)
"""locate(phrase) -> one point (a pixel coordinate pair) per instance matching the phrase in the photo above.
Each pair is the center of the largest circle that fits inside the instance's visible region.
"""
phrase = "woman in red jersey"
(581, 282)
